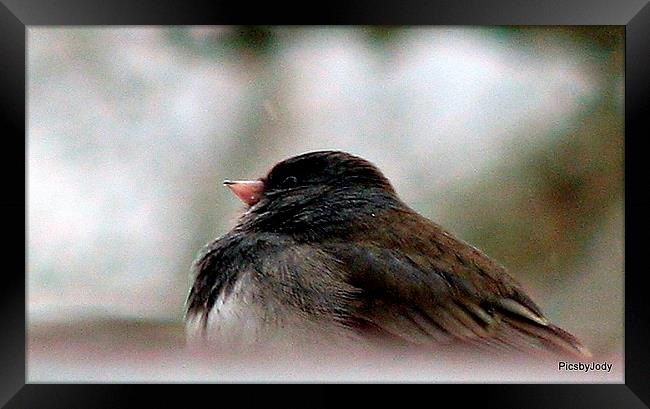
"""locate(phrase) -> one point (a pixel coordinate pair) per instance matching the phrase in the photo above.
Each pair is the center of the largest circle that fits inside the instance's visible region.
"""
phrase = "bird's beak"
(248, 191)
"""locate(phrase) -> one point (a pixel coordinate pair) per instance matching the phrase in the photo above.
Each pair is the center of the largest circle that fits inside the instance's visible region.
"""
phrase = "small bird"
(327, 253)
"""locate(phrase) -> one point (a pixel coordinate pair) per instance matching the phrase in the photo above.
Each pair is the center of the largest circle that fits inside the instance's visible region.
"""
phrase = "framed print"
(430, 193)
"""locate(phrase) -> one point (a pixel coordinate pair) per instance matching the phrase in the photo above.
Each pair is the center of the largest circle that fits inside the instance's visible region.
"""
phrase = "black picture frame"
(17, 15)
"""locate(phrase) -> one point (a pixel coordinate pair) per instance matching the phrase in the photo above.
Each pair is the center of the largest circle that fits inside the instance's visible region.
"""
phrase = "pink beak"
(248, 191)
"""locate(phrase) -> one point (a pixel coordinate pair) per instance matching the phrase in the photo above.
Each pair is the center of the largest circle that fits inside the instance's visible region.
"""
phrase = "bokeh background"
(511, 137)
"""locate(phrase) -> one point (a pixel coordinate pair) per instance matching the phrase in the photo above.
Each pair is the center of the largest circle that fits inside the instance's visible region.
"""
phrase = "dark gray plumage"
(327, 253)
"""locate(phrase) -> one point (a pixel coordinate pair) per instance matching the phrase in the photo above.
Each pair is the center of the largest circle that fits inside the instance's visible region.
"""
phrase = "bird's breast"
(236, 318)
(250, 317)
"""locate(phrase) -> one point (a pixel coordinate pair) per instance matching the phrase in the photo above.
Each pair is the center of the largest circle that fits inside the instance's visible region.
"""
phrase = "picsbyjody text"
(584, 367)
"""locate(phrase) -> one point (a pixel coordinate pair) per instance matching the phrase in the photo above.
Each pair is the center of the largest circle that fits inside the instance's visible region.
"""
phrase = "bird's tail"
(551, 337)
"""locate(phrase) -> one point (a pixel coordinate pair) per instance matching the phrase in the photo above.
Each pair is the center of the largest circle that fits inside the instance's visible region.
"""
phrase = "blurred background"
(511, 137)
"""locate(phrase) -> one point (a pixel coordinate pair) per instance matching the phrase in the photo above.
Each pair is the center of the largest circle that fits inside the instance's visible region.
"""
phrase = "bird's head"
(315, 192)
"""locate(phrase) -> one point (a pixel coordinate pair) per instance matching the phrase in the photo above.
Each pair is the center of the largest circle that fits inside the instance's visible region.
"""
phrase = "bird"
(326, 253)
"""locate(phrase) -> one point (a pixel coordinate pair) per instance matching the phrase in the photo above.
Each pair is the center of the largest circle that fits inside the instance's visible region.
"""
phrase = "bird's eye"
(289, 181)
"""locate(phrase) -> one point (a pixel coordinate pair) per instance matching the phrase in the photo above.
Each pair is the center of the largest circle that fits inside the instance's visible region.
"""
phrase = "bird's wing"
(427, 296)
